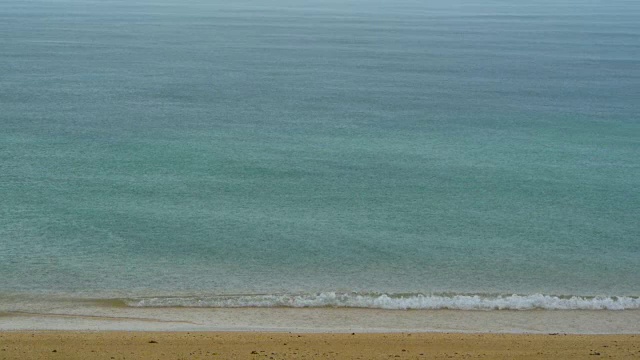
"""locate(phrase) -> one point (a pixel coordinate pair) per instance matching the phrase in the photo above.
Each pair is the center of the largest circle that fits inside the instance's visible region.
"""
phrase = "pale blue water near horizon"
(359, 153)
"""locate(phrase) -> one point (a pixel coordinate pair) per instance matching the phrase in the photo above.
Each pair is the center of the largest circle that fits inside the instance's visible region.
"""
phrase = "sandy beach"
(261, 345)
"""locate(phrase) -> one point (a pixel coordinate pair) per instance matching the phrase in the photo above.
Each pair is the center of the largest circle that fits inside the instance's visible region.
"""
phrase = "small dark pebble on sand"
(153, 342)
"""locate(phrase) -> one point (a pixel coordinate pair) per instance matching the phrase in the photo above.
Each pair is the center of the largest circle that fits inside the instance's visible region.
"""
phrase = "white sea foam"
(399, 302)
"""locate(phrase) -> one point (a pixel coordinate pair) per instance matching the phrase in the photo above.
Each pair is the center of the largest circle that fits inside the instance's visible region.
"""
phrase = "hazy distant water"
(160, 147)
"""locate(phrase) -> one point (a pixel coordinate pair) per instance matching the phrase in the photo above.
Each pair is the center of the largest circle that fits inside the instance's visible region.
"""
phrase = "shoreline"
(280, 345)
(78, 317)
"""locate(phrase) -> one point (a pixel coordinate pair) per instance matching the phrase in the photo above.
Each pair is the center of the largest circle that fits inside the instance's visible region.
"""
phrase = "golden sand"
(259, 345)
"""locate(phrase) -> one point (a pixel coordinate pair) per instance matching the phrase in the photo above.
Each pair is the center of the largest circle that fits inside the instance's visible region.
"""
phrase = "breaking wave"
(397, 302)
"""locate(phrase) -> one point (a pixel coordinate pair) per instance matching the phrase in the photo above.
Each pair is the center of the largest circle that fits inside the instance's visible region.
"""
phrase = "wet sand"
(264, 345)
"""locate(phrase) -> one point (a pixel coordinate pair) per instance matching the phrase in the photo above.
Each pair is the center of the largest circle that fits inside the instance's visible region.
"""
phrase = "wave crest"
(398, 302)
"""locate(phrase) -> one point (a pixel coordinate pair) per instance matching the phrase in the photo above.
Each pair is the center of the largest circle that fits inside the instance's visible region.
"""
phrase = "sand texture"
(260, 345)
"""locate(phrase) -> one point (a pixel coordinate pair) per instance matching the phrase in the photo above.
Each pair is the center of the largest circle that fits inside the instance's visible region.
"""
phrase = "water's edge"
(166, 314)
(329, 320)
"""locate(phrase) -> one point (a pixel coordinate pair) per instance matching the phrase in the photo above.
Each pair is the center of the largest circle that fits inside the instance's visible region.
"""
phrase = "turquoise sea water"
(310, 153)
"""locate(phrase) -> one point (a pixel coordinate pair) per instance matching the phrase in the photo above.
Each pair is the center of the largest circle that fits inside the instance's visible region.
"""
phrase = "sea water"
(361, 153)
